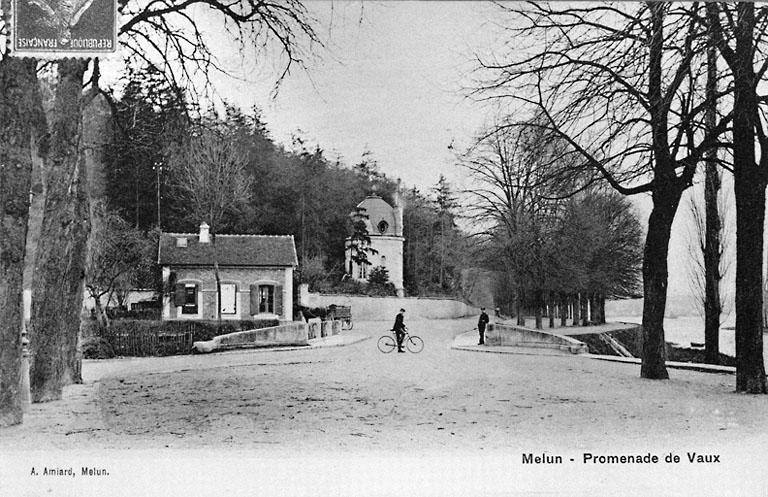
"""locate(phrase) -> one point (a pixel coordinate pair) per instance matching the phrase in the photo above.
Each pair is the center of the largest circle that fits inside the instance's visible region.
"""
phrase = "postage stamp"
(64, 28)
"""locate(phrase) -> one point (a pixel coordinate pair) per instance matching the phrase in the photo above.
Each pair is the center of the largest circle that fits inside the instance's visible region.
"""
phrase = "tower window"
(383, 225)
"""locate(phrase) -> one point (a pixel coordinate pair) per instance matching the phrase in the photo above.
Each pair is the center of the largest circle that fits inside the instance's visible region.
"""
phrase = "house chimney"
(205, 237)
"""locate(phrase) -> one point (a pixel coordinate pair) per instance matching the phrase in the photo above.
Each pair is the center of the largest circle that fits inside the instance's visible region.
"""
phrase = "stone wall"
(283, 335)
(366, 308)
(515, 336)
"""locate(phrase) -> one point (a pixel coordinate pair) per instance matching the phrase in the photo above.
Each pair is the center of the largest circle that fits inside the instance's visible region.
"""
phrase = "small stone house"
(256, 274)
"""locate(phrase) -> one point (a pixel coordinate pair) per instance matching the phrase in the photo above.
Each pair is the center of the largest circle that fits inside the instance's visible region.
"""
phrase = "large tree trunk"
(60, 263)
(666, 199)
(749, 187)
(712, 305)
(584, 311)
(17, 84)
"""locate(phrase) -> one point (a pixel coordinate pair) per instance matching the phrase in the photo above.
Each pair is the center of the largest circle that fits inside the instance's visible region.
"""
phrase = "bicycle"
(388, 343)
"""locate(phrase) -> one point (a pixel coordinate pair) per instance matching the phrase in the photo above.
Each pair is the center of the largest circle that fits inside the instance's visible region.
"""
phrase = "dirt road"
(356, 398)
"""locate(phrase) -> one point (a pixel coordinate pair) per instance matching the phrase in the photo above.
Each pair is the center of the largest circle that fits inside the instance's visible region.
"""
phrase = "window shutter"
(179, 295)
(195, 294)
(278, 300)
(254, 300)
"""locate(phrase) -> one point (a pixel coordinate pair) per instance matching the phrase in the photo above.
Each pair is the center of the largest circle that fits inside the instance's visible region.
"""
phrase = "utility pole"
(158, 168)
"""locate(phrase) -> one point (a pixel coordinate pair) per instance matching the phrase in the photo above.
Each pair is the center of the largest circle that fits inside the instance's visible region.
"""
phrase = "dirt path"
(356, 398)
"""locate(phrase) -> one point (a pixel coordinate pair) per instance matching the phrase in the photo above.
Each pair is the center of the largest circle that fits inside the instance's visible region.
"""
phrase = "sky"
(390, 84)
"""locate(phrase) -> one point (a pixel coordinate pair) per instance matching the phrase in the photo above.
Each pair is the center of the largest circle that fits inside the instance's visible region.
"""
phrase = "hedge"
(129, 337)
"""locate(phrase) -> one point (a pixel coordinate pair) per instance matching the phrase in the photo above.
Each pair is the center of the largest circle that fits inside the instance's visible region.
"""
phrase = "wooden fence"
(160, 338)
(154, 342)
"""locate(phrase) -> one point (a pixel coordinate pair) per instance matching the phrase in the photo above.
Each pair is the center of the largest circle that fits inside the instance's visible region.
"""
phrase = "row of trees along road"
(625, 87)
(160, 34)
(556, 248)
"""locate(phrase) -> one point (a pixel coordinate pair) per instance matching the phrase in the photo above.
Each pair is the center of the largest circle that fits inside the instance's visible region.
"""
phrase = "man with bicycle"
(399, 329)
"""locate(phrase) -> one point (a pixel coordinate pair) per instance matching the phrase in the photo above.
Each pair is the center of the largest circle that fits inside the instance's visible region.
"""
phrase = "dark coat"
(399, 324)
(482, 321)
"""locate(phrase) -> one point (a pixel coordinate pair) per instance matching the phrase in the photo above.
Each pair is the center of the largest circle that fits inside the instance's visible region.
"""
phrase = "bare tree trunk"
(60, 263)
(749, 180)
(584, 301)
(563, 309)
(601, 307)
(538, 303)
(655, 276)
(576, 309)
(596, 303)
(519, 308)
(17, 79)
(551, 310)
(712, 276)
(101, 312)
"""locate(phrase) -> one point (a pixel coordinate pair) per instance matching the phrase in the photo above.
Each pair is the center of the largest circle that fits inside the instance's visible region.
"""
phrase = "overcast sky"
(391, 81)
(391, 84)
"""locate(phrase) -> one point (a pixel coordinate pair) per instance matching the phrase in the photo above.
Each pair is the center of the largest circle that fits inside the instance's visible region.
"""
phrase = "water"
(684, 330)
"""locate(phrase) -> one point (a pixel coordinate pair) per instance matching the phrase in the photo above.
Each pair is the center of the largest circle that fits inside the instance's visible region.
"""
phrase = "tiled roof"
(232, 250)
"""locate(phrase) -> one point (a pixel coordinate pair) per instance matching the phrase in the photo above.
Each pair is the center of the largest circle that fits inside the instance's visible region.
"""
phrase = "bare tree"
(212, 177)
(750, 175)
(619, 83)
(708, 244)
(117, 252)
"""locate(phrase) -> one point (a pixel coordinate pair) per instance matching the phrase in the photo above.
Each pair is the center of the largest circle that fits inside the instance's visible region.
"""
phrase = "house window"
(190, 299)
(228, 298)
(266, 299)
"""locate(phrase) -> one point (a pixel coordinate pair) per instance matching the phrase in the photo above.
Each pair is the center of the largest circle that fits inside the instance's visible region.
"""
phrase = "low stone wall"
(515, 336)
(286, 334)
(366, 308)
(320, 329)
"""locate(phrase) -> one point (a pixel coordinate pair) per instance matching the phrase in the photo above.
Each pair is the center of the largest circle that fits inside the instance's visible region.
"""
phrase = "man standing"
(399, 329)
(481, 325)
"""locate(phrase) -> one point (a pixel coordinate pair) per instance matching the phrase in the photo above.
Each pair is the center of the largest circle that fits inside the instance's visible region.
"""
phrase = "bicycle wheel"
(387, 344)
(414, 344)
(348, 324)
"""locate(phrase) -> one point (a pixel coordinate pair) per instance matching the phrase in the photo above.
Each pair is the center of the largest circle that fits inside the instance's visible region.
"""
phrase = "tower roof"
(382, 219)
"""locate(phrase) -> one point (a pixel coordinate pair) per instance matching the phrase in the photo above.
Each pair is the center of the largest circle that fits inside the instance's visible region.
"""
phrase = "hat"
(402, 310)
(482, 308)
